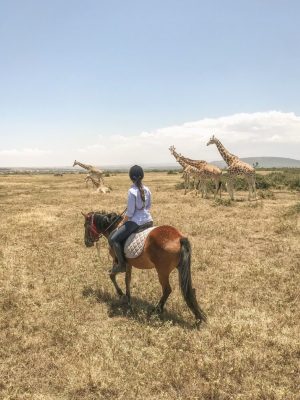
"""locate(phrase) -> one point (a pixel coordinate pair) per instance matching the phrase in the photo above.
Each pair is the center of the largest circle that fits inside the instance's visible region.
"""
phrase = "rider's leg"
(117, 240)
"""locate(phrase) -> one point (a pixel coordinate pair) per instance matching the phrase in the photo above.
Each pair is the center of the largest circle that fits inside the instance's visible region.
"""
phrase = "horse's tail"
(185, 280)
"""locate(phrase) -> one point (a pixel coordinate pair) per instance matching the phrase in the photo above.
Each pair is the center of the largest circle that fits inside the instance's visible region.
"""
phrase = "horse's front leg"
(127, 283)
(114, 281)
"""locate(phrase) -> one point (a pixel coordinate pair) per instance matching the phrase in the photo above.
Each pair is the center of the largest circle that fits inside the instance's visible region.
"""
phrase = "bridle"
(93, 229)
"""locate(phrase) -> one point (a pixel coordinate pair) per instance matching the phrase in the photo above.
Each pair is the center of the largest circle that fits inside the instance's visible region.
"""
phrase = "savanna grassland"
(65, 335)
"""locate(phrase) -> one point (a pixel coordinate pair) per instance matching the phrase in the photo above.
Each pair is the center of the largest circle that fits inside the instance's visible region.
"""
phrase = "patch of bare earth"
(65, 335)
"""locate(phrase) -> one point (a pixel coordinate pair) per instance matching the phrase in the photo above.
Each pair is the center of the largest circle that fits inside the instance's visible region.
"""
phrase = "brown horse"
(165, 249)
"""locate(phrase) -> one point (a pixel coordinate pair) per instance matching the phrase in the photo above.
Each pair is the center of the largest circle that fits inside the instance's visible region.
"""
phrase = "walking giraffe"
(97, 174)
(235, 167)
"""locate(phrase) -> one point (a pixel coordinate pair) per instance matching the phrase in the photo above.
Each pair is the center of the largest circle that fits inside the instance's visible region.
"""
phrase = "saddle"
(134, 244)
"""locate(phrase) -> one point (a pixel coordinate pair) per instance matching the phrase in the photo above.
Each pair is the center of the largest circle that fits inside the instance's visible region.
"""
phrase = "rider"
(137, 216)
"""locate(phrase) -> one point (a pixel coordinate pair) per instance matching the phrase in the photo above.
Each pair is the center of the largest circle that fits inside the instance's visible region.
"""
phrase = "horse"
(165, 249)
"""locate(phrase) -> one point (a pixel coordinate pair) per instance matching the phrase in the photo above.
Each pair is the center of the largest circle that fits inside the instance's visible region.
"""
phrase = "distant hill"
(263, 162)
(266, 162)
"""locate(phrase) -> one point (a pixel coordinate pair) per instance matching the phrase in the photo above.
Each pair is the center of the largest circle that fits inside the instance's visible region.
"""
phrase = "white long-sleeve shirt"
(135, 211)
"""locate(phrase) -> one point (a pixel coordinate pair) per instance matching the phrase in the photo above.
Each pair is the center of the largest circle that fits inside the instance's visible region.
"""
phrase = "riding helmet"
(136, 172)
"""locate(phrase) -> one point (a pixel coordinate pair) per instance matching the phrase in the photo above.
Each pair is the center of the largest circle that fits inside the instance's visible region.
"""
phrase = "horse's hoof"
(157, 310)
(125, 299)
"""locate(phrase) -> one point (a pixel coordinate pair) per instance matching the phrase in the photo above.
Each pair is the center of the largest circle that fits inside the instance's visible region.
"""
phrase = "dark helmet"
(136, 172)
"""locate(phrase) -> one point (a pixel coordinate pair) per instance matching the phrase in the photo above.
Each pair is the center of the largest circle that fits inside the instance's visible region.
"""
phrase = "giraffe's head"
(172, 149)
(212, 140)
(75, 163)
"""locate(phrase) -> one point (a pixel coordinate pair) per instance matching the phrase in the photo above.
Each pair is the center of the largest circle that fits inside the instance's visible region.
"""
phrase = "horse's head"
(212, 140)
(97, 224)
(91, 235)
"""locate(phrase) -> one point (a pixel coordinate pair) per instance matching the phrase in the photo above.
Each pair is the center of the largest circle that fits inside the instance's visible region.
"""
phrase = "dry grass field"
(65, 335)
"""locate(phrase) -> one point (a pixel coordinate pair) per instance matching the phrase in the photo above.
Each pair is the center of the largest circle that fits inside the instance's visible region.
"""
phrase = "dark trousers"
(117, 239)
(121, 234)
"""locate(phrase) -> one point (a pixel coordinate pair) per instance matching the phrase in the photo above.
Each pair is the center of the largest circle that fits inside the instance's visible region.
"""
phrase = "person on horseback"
(137, 216)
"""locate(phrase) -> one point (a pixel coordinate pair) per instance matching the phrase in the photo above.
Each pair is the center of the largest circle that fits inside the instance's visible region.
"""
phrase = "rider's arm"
(130, 205)
(148, 201)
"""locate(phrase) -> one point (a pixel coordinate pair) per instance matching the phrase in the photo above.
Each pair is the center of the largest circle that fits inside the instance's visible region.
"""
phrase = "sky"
(117, 82)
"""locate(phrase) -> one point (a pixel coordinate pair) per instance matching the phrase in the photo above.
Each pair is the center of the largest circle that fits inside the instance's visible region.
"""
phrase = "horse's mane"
(104, 219)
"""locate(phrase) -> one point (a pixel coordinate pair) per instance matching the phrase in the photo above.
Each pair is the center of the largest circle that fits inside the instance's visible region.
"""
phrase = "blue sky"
(77, 75)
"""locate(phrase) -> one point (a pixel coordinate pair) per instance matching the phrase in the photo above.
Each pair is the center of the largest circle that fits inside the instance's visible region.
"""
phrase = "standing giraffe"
(209, 171)
(186, 169)
(200, 170)
(235, 167)
(97, 174)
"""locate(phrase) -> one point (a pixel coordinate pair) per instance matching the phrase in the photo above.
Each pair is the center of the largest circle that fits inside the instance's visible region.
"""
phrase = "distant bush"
(288, 178)
(172, 172)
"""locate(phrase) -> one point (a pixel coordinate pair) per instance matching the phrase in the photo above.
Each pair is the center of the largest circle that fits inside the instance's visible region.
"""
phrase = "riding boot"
(121, 266)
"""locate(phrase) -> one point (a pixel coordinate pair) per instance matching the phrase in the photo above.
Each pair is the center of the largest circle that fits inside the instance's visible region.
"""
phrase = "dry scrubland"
(65, 335)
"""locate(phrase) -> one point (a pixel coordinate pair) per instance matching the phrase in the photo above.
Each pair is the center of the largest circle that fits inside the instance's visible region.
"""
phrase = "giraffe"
(100, 187)
(92, 171)
(235, 167)
(209, 171)
(186, 172)
(200, 170)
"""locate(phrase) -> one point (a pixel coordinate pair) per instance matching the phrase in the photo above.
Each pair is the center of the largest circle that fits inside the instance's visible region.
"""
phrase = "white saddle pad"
(135, 243)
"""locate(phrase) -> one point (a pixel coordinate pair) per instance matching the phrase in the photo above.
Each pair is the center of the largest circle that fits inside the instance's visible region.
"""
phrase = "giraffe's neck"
(83, 165)
(227, 157)
(194, 162)
(94, 181)
(179, 159)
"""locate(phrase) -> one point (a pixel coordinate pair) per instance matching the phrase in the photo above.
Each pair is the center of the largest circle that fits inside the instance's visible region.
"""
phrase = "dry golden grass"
(65, 335)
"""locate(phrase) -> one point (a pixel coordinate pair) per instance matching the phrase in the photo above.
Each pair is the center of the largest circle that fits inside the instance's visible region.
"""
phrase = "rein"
(93, 228)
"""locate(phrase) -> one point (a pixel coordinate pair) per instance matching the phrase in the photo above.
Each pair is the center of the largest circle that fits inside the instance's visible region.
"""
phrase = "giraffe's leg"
(217, 188)
(201, 187)
(254, 187)
(230, 187)
(186, 183)
(204, 189)
(250, 186)
(198, 187)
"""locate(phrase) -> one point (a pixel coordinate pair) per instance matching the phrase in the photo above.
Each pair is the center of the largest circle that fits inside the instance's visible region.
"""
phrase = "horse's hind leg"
(166, 289)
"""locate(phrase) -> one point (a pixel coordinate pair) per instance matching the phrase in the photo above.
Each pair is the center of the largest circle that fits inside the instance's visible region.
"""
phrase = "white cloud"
(24, 152)
(271, 133)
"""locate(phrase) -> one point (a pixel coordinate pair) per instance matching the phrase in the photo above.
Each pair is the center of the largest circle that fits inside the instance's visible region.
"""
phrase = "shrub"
(265, 194)
(222, 202)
